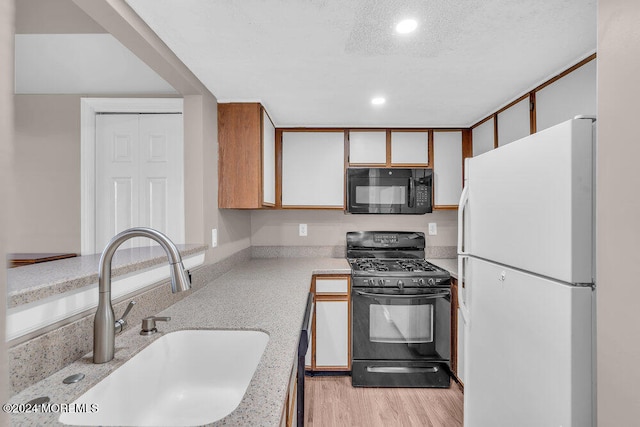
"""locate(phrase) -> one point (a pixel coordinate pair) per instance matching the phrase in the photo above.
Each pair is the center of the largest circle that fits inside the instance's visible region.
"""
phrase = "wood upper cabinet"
(246, 164)
(447, 168)
(313, 169)
(268, 160)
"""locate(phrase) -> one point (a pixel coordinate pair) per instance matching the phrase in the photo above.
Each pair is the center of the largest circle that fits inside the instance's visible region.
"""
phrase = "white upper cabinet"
(268, 160)
(368, 147)
(514, 122)
(572, 95)
(483, 137)
(408, 147)
(447, 167)
(313, 169)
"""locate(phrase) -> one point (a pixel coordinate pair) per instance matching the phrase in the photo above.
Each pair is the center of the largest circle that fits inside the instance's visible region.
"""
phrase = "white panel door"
(332, 333)
(514, 123)
(139, 176)
(447, 167)
(483, 137)
(117, 187)
(161, 175)
(528, 350)
(313, 169)
(368, 147)
(572, 95)
(410, 148)
(268, 160)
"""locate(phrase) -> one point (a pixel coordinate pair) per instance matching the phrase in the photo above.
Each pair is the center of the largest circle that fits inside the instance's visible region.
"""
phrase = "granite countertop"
(449, 264)
(269, 295)
(24, 284)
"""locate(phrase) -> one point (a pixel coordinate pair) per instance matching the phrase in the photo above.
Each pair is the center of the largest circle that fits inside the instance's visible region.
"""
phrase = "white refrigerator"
(526, 258)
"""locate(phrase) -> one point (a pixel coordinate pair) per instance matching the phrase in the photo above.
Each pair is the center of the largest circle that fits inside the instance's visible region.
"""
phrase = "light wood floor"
(332, 401)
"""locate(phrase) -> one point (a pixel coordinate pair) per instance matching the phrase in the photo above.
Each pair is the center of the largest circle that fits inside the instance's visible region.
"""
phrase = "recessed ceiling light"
(406, 26)
(378, 100)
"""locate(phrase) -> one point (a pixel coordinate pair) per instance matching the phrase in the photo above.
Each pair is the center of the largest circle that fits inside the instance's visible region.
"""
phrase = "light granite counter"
(449, 264)
(265, 294)
(25, 284)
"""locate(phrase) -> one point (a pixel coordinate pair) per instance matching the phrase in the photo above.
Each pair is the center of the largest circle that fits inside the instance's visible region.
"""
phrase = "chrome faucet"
(105, 326)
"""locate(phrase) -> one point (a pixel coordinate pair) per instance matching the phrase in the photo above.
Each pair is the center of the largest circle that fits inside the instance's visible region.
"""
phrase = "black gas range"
(392, 259)
(401, 312)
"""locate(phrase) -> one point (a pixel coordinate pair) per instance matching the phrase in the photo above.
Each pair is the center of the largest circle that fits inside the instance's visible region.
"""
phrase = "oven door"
(394, 324)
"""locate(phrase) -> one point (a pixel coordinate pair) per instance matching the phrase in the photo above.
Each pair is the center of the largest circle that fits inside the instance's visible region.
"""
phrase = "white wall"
(6, 147)
(328, 228)
(46, 203)
(618, 213)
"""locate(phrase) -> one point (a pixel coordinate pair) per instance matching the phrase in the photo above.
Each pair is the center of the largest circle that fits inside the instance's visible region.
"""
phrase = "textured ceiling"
(319, 62)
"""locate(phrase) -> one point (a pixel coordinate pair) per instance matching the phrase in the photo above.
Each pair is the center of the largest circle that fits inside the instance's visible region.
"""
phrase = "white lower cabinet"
(329, 349)
(332, 338)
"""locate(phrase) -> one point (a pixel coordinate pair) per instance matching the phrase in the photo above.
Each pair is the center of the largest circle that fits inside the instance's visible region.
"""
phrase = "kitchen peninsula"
(263, 294)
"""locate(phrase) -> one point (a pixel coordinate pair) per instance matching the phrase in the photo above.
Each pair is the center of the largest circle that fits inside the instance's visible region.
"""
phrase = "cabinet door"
(268, 161)
(240, 155)
(514, 123)
(447, 168)
(368, 147)
(332, 334)
(313, 169)
(483, 137)
(410, 148)
(568, 97)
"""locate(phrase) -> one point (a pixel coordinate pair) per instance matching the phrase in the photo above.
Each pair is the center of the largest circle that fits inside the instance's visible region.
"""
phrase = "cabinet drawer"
(332, 286)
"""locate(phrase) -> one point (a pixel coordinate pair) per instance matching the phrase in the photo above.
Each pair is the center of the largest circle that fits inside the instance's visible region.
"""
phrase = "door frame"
(89, 108)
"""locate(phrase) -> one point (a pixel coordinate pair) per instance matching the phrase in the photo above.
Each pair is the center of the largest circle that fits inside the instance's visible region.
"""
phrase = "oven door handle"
(441, 294)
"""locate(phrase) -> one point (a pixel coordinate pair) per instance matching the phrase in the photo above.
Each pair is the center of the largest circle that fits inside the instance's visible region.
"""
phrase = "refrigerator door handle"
(462, 255)
(464, 199)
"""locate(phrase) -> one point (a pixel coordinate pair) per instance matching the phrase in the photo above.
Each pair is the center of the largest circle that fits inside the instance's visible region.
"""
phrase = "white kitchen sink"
(183, 378)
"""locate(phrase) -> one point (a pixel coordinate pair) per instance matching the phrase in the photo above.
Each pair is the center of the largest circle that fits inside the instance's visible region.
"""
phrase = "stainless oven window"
(381, 194)
(401, 323)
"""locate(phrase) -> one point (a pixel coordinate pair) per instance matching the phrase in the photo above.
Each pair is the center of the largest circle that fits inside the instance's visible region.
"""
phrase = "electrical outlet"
(214, 237)
(302, 230)
(433, 229)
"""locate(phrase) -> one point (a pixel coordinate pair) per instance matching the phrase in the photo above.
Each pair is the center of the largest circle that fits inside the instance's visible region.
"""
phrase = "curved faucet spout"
(104, 322)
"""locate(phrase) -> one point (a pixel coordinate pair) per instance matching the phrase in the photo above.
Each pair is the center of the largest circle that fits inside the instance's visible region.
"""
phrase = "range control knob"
(371, 282)
(400, 284)
(380, 282)
(431, 281)
(421, 282)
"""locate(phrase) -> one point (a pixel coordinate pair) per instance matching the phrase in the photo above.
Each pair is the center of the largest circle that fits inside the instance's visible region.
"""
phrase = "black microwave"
(389, 191)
